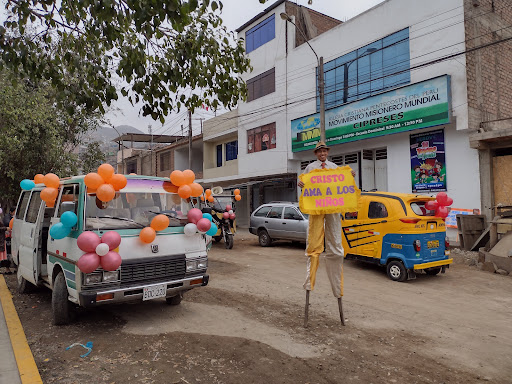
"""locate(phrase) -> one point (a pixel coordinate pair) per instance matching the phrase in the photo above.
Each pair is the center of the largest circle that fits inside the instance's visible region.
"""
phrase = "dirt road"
(246, 327)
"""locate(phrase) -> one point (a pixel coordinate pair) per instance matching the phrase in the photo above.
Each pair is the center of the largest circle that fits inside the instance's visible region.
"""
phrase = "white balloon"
(190, 229)
(230, 211)
(102, 249)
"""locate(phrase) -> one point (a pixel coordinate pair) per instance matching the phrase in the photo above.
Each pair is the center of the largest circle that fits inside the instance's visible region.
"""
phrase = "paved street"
(246, 326)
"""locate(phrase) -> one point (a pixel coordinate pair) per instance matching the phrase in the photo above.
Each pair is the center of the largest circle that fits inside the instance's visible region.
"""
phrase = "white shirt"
(317, 164)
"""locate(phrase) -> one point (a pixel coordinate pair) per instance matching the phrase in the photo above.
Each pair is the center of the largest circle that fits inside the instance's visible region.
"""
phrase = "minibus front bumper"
(135, 293)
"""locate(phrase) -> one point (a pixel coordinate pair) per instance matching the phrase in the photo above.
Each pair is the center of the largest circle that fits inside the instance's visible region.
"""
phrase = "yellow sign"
(329, 191)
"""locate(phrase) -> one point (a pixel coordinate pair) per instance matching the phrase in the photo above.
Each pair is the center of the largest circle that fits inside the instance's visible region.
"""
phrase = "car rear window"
(418, 207)
(262, 212)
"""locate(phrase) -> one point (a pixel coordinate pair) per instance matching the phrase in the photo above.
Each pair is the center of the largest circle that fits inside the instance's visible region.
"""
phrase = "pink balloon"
(112, 239)
(442, 198)
(203, 225)
(88, 241)
(111, 261)
(449, 201)
(225, 215)
(431, 205)
(194, 215)
(232, 216)
(229, 207)
(442, 212)
(88, 262)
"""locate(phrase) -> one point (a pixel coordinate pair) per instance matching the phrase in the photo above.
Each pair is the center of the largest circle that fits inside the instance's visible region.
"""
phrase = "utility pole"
(322, 97)
(151, 147)
(189, 139)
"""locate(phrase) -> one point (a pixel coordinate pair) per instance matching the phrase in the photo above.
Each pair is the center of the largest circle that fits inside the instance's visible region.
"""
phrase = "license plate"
(154, 292)
(433, 244)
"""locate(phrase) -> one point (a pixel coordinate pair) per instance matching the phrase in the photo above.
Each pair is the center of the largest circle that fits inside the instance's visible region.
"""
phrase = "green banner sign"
(415, 106)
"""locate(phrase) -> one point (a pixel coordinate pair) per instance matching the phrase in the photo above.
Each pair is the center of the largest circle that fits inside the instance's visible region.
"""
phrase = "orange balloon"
(50, 204)
(118, 181)
(238, 197)
(202, 198)
(196, 188)
(49, 194)
(177, 178)
(93, 180)
(160, 222)
(133, 174)
(90, 190)
(11, 222)
(184, 191)
(147, 235)
(170, 187)
(208, 192)
(38, 179)
(106, 171)
(105, 192)
(236, 191)
(189, 176)
(211, 199)
(51, 180)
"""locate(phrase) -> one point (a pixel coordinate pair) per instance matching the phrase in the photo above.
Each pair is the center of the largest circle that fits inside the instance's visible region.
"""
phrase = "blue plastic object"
(87, 346)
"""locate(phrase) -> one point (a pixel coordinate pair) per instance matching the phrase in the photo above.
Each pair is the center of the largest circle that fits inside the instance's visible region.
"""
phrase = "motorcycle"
(226, 226)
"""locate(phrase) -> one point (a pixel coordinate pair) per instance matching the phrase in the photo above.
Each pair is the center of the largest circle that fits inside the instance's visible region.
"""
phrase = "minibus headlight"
(191, 265)
(93, 278)
(110, 276)
(196, 264)
(202, 264)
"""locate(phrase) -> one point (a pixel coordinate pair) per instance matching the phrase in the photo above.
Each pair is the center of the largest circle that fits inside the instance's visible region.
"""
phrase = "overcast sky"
(234, 14)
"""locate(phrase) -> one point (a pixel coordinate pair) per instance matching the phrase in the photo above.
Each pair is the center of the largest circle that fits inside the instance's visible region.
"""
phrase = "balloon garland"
(62, 229)
(185, 183)
(159, 223)
(99, 251)
(105, 182)
(199, 222)
(440, 205)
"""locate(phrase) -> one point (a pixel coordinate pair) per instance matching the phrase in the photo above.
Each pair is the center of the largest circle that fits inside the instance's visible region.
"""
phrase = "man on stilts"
(324, 227)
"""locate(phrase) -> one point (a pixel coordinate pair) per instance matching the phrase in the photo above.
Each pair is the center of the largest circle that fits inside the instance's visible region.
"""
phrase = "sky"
(235, 13)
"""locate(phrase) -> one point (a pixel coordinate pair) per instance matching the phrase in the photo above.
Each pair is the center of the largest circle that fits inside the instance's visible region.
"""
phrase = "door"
(29, 239)
(293, 224)
(370, 235)
(19, 218)
(502, 168)
(274, 221)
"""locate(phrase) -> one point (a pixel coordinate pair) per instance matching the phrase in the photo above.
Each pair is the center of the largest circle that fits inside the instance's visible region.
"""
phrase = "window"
(131, 167)
(275, 213)
(418, 207)
(33, 207)
(260, 34)
(219, 155)
(261, 138)
(262, 212)
(381, 65)
(377, 211)
(69, 199)
(165, 161)
(261, 85)
(292, 214)
(22, 206)
(231, 150)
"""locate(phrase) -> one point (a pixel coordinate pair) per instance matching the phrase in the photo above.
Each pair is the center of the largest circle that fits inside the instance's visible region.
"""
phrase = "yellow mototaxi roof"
(403, 196)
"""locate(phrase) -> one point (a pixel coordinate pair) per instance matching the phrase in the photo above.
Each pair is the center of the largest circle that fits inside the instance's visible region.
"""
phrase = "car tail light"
(417, 245)
(409, 220)
(446, 243)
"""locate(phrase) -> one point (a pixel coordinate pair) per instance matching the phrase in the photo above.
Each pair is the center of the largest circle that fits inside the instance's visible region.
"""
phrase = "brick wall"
(489, 70)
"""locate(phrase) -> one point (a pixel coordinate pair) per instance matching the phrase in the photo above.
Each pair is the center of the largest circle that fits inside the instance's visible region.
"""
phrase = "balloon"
(88, 262)
(177, 178)
(197, 190)
(208, 192)
(133, 174)
(230, 212)
(184, 191)
(51, 180)
(238, 197)
(194, 215)
(225, 215)
(111, 261)
(93, 180)
(236, 191)
(431, 205)
(160, 222)
(27, 184)
(49, 194)
(59, 231)
(449, 201)
(232, 216)
(118, 181)
(202, 198)
(147, 235)
(112, 239)
(88, 241)
(69, 219)
(106, 171)
(207, 216)
(189, 176)
(229, 207)
(211, 199)
(190, 229)
(11, 223)
(213, 230)
(102, 249)
(203, 225)
(442, 212)
(50, 204)
(441, 198)
(105, 192)
(170, 187)
(38, 179)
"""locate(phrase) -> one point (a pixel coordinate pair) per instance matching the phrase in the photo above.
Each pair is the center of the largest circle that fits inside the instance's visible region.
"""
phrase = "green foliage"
(92, 157)
(172, 53)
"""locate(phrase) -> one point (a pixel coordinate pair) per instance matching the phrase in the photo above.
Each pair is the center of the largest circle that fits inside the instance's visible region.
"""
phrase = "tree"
(170, 53)
(92, 157)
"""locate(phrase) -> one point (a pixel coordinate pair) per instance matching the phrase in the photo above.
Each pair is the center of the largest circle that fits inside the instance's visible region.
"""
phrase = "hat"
(320, 145)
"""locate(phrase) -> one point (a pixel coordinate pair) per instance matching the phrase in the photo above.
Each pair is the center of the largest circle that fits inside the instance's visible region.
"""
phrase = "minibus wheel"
(61, 307)
(24, 286)
(396, 270)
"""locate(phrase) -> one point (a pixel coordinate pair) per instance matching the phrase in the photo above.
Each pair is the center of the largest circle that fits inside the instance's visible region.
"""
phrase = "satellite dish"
(217, 190)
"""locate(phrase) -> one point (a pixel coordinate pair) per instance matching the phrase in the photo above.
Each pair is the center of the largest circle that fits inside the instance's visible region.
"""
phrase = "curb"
(29, 374)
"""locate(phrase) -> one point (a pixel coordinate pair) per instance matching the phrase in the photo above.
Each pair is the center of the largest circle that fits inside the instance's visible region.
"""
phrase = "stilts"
(306, 310)
(340, 307)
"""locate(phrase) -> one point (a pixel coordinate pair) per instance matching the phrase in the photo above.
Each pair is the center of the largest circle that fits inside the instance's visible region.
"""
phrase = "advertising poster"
(415, 106)
(428, 166)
